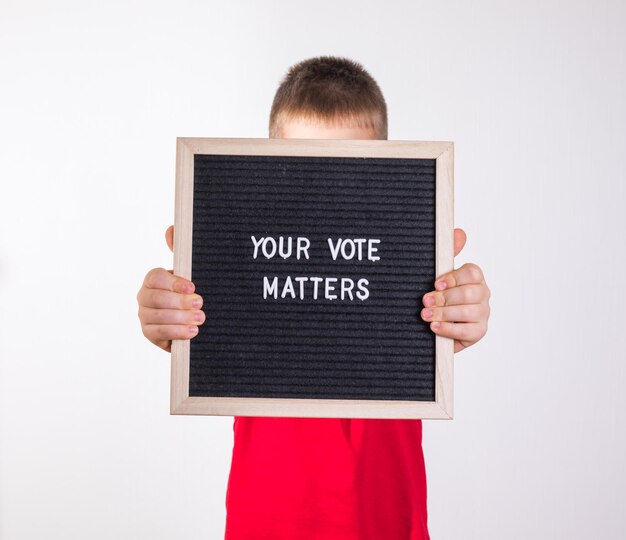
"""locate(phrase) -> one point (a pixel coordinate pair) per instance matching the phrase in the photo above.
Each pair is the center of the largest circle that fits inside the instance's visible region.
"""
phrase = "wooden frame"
(442, 152)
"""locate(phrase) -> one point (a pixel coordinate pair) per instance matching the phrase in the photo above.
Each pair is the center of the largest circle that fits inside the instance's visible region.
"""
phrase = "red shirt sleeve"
(326, 478)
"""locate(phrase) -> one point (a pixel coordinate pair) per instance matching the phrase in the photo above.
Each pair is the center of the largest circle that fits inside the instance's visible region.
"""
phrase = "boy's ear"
(169, 237)
(459, 240)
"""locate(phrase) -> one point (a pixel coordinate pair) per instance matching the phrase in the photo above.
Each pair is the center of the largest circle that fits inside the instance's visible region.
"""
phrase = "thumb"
(169, 237)
(459, 240)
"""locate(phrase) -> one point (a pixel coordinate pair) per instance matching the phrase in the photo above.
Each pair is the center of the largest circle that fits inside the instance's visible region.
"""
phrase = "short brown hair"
(330, 89)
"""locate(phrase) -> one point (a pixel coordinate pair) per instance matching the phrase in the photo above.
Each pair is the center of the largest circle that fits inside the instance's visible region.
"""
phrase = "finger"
(159, 333)
(456, 296)
(468, 273)
(464, 313)
(166, 345)
(160, 299)
(465, 332)
(160, 278)
(169, 237)
(459, 240)
(171, 316)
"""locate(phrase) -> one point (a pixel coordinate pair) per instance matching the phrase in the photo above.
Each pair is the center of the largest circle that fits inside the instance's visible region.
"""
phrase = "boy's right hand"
(168, 306)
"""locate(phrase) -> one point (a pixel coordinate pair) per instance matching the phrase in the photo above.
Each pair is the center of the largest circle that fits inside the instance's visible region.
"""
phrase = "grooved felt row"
(251, 346)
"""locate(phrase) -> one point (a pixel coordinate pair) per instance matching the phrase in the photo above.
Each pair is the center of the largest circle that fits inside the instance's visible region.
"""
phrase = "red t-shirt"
(326, 479)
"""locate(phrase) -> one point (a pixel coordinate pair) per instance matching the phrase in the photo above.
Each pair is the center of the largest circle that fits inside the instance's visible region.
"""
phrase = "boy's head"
(328, 98)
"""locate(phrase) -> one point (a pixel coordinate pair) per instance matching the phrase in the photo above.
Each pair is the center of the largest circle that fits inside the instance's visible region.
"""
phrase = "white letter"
(371, 249)
(288, 288)
(359, 242)
(334, 251)
(303, 245)
(365, 294)
(329, 288)
(281, 245)
(316, 281)
(350, 243)
(301, 280)
(345, 289)
(270, 289)
(273, 252)
(256, 245)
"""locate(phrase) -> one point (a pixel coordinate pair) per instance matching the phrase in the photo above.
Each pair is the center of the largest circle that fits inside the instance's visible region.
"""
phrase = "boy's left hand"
(458, 308)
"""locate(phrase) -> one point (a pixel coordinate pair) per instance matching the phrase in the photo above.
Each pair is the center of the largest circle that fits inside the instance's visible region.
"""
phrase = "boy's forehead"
(306, 128)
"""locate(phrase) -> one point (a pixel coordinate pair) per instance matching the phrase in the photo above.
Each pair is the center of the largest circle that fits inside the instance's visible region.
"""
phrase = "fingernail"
(441, 285)
(197, 303)
(193, 330)
(429, 301)
(427, 314)
(199, 316)
(435, 325)
(188, 288)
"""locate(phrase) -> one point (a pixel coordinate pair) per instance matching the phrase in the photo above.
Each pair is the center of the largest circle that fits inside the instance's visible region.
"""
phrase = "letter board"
(312, 257)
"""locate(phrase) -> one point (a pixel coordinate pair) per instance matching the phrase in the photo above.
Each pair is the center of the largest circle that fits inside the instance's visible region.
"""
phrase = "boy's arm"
(168, 307)
(458, 308)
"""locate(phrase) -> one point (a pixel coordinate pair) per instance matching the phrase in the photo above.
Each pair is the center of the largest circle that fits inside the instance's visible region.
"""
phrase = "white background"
(92, 96)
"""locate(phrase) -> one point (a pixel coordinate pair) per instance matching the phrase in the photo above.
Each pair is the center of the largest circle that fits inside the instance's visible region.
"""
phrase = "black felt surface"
(249, 346)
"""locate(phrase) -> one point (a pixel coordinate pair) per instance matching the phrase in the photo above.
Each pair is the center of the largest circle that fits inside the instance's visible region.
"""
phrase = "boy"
(325, 478)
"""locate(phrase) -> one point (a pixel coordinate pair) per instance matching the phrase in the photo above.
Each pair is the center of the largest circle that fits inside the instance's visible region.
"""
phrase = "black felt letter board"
(376, 348)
